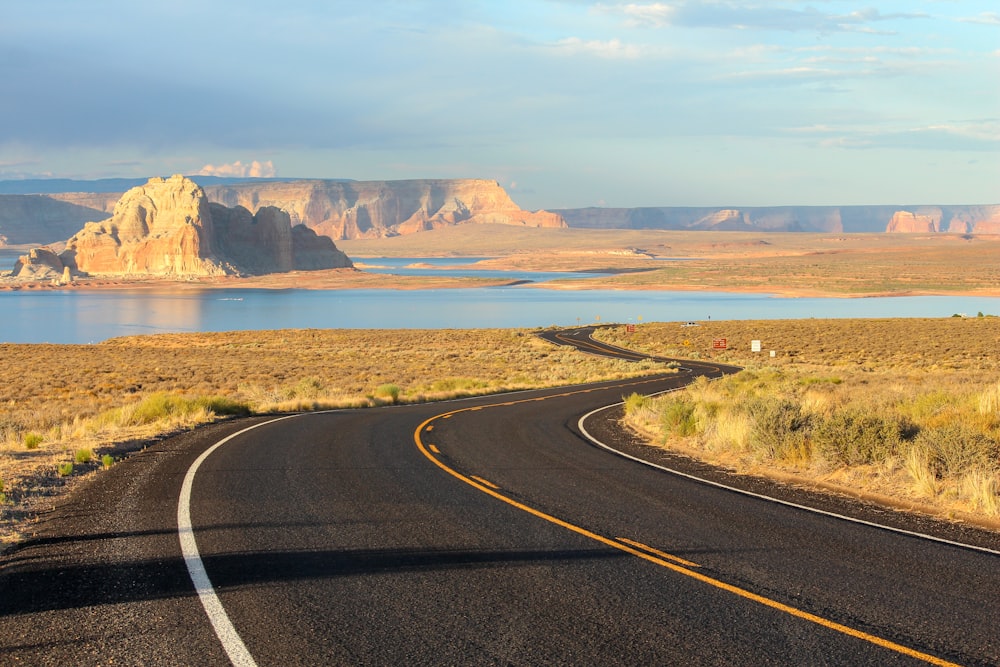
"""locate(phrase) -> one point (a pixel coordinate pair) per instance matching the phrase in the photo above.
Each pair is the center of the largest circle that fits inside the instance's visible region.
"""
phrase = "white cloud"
(613, 49)
(742, 15)
(986, 18)
(657, 14)
(253, 169)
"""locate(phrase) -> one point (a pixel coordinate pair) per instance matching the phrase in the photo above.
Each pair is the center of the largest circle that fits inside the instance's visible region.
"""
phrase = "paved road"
(485, 531)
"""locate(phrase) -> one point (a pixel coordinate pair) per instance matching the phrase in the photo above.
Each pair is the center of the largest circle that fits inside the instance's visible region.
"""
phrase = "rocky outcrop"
(375, 209)
(40, 264)
(167, 227)
(908, 222)
(825, 219)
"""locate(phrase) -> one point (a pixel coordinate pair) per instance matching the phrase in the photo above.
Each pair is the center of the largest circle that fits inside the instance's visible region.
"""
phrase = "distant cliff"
(375, 209)
(835, 219)
(365, 209)
(167, 227)
(28, 219)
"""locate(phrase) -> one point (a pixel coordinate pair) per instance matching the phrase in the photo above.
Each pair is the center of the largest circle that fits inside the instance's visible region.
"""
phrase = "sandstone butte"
(377, 209)
(367, 209)
(168, 227)
(932, 219)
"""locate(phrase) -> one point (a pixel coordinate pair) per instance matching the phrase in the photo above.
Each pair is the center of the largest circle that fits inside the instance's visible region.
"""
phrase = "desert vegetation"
(908, 410)
(71, 409)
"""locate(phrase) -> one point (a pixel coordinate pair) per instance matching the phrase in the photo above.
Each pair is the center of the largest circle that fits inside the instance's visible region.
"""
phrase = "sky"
(566, 103)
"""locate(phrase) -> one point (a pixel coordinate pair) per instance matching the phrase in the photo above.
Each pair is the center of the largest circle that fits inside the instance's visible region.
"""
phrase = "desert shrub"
(677, 415)
(83, 455)
(158, 406)
(989, 401)
(730, 430)
(778, 430)
(65, 469)
(636, 403)
(163, 406)
(956, 449)
(387, 392)
(852, 437)
(107, 461)
(983, 491)
(32, 440)
(309, 387)
(221, 405)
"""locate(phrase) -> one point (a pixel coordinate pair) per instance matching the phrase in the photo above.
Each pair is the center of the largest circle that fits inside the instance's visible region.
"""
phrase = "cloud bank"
(254, 169)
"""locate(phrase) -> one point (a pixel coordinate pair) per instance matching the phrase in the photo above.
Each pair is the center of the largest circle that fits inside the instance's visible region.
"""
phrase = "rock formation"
(374, 209)
(40, 264)
(825, 219)
(167, 227)
(909, 222)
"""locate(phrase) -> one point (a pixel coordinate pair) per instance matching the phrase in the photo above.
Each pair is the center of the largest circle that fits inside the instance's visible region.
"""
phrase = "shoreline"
(352, 279)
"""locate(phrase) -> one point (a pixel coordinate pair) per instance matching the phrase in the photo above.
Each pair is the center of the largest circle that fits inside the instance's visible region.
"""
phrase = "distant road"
(484, 531)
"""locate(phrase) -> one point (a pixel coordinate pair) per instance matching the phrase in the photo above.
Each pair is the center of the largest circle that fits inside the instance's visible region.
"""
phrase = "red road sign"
(720, 344)
(629, 328)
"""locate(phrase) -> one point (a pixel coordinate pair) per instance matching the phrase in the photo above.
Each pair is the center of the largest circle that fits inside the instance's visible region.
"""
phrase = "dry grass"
(73, 402)
(904, 408)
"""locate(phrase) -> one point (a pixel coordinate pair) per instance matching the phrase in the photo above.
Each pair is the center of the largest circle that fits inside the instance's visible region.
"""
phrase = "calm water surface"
(85, 317)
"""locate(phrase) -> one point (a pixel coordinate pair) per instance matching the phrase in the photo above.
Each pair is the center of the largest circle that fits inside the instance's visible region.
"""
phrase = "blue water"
(457, 267)
(91, 316)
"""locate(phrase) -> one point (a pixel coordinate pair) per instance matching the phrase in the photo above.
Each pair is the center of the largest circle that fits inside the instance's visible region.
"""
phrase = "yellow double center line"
(646, 553)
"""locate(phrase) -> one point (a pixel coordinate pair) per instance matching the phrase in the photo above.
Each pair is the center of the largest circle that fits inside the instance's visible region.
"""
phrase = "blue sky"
(566, 103)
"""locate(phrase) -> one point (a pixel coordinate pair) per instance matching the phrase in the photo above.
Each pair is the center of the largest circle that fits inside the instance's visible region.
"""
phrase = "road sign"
(755, 346)
(720, 344)
(629, 328)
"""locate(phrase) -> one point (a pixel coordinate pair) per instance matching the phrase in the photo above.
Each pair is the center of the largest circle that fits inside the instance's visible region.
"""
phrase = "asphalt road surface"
(488, 531)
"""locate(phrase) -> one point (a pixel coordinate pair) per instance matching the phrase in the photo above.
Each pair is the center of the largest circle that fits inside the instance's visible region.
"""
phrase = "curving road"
(485, 531)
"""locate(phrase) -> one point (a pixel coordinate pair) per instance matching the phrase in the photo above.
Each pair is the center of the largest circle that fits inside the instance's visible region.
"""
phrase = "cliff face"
(375, 209)
(28, 219)
(826, 219)
(954, 219)
(167, 227)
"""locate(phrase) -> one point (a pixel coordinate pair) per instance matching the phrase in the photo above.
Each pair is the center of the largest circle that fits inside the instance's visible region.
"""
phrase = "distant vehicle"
(690, 324)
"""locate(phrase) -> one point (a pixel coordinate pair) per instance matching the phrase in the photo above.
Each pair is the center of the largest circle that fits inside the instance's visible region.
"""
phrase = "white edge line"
(224, 630)
(744, 492)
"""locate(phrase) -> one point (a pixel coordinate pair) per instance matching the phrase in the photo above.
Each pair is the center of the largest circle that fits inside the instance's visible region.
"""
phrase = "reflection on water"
(457, 267)
(91, 316)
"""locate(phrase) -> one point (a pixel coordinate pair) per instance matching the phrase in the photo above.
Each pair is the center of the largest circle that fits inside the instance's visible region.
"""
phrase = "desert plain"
(70, 410)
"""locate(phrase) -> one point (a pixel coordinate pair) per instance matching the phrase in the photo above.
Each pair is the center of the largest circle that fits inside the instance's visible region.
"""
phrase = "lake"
(80, 316)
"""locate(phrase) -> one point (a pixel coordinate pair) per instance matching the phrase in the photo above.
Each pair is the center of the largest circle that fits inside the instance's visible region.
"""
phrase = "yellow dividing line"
(664, 560)
(661, 554)
(483, 481)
